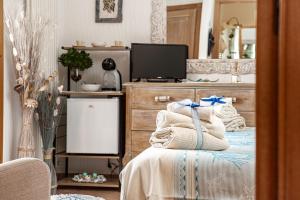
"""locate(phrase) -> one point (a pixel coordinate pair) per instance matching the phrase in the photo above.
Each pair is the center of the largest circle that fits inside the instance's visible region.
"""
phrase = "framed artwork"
(109, 11)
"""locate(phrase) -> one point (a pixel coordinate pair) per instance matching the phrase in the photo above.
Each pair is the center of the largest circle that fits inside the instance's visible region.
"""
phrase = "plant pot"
(76, 76)
(48, 155)
(27, 143)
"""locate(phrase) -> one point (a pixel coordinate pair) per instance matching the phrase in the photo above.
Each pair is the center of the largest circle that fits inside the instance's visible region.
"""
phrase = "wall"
(12, 110)
(77, 22)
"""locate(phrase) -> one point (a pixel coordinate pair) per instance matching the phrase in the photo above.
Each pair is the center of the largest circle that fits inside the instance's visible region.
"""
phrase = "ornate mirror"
(218, 29)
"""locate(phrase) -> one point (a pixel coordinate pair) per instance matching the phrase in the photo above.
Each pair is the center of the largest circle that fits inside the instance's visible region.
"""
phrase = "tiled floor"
(104, 193)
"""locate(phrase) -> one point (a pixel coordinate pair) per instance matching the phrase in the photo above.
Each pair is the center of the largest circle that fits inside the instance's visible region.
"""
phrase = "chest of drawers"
(144, 100)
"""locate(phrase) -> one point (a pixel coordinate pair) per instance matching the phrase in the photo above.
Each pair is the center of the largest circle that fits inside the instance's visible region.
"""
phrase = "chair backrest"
(25, 179)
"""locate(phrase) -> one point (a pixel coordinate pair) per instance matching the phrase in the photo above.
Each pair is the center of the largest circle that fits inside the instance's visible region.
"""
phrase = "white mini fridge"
(93, 126)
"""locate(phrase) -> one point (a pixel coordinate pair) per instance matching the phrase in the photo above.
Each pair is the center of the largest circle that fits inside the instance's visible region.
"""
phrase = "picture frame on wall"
(109, 11)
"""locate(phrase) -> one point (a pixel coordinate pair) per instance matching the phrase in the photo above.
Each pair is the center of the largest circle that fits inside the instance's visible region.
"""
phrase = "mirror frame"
(221, 66)
(159, 22)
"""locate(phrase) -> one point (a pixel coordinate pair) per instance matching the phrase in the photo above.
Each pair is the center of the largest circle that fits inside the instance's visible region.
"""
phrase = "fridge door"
(93, 126)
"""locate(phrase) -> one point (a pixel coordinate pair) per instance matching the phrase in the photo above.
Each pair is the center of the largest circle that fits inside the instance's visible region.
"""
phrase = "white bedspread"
(165, 174)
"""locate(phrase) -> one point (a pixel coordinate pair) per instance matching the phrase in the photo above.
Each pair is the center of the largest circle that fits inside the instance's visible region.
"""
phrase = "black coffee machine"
(112, 79)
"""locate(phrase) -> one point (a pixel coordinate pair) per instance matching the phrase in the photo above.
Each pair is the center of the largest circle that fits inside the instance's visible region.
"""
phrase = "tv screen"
(158, 61)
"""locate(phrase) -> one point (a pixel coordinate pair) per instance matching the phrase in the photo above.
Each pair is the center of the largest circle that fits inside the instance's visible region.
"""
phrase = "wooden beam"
(267, 102)
(289, 105)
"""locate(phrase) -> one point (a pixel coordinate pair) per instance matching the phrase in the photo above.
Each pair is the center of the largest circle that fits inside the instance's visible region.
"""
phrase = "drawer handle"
(162, 98)
(91, 106)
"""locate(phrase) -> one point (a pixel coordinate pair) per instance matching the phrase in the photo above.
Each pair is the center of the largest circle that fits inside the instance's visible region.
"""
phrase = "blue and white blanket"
(165, 174)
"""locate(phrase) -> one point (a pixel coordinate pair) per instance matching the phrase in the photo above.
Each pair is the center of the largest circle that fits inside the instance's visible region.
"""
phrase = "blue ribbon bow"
(193, 105)
(214, 100)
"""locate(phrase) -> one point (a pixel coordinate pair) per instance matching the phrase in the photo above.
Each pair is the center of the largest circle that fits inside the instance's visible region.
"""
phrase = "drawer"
(140, 141)
(245, 99)
(158, 98)
(144, 120)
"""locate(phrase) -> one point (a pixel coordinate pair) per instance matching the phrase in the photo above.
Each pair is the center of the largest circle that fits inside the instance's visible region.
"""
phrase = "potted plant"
(76, 61)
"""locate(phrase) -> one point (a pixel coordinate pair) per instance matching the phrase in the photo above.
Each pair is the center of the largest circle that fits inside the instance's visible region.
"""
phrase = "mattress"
(165, 174)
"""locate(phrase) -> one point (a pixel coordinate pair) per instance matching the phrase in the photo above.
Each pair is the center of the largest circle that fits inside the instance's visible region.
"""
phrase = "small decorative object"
(98, 44)
(89, 178)
(235, 76)
(249, 51)
(48, 117)
(79, 43)
(230, 45)
(74, 197)
(76, 61)
(26, 37)
(91, 87)
(109, 11)
(118, 43)
(204, 80)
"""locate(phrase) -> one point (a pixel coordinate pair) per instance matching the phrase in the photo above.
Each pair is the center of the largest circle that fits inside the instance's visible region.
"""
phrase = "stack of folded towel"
(176, 128)
(228, 114)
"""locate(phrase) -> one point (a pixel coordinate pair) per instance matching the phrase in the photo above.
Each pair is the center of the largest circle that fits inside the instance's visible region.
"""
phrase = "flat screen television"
(158, 61)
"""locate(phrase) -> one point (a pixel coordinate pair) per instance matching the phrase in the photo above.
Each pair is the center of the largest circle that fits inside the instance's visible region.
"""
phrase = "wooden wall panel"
(267, 102)
(278, 107)
(289, 105)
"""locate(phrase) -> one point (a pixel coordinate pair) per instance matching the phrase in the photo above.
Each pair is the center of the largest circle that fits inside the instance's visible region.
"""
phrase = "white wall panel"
(12, 109)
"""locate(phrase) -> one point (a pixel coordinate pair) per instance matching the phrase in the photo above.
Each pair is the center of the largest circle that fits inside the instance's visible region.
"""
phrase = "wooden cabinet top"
(191, 85)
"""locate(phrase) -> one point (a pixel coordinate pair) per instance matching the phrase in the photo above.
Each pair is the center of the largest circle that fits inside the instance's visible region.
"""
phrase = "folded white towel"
(225, 111)
(186, 138)
(236, 123)
(170, 119)
(230, 117)
(204, 113)
(216, 127)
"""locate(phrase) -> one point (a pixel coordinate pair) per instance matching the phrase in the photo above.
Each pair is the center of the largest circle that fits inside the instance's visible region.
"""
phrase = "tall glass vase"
(27, 143)
(48, 155)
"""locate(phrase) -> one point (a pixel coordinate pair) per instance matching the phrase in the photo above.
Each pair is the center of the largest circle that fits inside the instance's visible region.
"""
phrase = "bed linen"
(167, 174)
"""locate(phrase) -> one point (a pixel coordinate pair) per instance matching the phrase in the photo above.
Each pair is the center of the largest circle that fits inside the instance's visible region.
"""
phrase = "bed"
(165, 174)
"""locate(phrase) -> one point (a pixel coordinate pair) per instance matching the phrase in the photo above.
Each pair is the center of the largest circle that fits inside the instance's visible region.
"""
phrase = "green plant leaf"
(74, 59)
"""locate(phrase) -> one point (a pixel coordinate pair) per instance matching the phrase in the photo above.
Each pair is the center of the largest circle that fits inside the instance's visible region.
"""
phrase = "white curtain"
(46, 9)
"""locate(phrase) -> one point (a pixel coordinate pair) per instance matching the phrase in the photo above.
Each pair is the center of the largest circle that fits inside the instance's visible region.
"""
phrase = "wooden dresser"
(144, 100)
